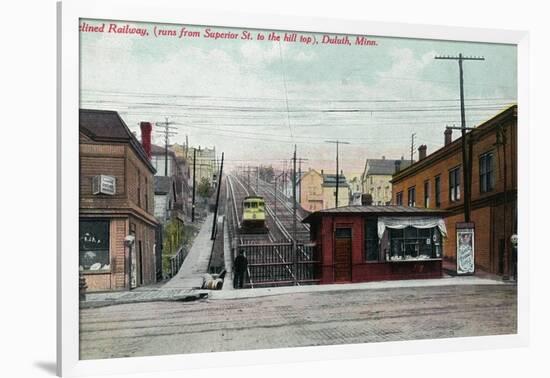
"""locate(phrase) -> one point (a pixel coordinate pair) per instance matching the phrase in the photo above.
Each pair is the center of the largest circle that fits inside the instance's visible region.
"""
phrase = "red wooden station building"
(371, 243)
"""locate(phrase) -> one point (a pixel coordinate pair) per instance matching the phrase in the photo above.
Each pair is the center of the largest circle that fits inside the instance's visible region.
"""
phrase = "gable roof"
(384, 166)
(108, 126)
(329, 180)
(159, 150)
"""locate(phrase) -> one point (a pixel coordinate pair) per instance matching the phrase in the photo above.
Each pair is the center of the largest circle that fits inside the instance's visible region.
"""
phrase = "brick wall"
(133, 202)
(485, 211)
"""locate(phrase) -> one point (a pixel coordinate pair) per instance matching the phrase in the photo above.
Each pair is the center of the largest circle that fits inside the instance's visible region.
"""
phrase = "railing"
(277, 264)
(176, 261)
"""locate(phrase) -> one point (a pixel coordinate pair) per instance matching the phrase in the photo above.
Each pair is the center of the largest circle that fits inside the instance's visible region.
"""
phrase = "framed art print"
(285, 188)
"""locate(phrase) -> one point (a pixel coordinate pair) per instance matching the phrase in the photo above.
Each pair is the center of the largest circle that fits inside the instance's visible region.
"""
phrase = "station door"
(342, 254)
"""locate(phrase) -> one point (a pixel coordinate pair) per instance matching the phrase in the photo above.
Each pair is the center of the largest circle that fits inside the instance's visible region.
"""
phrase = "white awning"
(416, 222)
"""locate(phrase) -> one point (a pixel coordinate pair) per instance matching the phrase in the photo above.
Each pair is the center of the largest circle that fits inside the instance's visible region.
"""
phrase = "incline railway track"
(272, 260)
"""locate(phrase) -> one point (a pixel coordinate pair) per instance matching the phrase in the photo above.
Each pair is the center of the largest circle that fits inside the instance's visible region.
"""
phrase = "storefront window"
(413, 243)
(371, 240)
(94, 245)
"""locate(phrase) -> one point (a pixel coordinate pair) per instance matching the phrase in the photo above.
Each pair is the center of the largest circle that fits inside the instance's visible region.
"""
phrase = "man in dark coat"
(240, 265)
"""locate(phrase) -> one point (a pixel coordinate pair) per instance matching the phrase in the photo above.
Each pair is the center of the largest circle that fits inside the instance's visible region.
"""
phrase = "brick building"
(117, 225)
(435, 181)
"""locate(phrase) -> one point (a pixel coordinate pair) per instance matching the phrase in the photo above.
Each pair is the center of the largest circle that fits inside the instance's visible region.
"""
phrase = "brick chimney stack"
(422, 152)
(448, 136)
(146, 129)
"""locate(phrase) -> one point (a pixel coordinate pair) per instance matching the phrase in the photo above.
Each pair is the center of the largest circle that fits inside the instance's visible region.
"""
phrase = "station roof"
(389, 210)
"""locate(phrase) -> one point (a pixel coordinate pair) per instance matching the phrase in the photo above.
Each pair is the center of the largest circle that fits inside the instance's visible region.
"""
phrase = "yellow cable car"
(253, 214)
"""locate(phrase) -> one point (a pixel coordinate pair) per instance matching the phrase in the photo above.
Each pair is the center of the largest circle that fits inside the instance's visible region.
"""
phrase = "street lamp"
(337, 142)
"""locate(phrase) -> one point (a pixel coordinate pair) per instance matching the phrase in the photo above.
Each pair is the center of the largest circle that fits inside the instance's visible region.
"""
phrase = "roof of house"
(163, 184)
(158, 150)
(389, 210)
(329, 180)
(384, 166)
(108, 126)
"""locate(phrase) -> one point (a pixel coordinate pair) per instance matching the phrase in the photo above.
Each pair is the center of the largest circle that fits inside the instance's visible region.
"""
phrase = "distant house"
(311, 188)
(329, 191)
(161, 158)
(376, 178)
(165, 198)
(318, 191)
(205, 165)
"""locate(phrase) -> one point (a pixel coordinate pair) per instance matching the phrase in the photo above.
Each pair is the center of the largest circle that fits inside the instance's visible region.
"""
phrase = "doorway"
(342, 254)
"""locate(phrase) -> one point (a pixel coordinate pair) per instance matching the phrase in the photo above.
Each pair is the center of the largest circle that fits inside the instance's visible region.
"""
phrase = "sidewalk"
(195, 265)
(262, 292)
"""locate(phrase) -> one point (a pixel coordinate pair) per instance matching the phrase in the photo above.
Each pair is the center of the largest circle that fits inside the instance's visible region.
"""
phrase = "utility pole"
(294, 209)
(466, 160)
(194, 184)
(337, 142)
(412, 146)
(501, 142)
(275, 193)
(214, 225)
(167, 132)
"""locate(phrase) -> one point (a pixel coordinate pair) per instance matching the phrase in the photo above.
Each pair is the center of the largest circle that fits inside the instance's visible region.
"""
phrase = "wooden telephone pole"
(466, 159)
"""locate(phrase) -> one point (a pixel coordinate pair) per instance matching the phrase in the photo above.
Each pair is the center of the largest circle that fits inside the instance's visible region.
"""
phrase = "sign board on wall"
(465, 248)
(103, 184)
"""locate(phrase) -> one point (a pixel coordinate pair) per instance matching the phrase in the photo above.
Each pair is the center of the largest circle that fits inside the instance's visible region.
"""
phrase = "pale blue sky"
(233, 94)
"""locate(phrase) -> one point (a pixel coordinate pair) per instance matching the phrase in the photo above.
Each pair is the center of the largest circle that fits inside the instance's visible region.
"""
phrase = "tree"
(266, 173)
(204, 189)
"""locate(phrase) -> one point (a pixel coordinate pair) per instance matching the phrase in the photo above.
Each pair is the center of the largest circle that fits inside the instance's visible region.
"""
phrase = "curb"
(182, 298)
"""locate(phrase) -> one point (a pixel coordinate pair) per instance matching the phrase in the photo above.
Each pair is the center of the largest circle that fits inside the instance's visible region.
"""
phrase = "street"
(299, 319)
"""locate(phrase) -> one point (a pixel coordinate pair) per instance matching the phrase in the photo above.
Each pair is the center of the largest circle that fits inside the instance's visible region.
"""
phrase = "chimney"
(146, 129)
(448, 136)
(366, 199)
(422, 152)
(397, 166)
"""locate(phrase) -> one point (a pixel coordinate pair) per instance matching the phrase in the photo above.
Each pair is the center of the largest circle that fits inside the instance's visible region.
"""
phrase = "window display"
(94, 245)
(412, 243)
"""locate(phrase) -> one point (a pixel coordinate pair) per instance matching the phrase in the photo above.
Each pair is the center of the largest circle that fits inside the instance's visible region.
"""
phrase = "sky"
(255, 99)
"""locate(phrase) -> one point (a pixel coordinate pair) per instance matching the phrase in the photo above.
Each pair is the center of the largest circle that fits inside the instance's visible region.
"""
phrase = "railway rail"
(273, 258)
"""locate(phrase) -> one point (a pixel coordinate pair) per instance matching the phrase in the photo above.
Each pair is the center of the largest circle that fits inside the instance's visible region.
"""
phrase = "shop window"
(486, 173)
(413, 243)
(94, 245)
(454, 184)
(371, 240)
